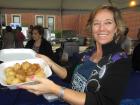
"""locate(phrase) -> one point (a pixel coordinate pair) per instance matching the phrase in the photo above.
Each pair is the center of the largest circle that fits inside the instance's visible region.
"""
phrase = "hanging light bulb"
(132, 3)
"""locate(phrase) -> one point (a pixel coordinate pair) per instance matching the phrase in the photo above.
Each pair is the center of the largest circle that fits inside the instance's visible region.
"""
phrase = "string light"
(132, 3)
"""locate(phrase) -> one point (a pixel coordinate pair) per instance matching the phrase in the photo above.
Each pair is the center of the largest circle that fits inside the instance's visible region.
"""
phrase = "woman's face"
(104, 27)
(36, 36)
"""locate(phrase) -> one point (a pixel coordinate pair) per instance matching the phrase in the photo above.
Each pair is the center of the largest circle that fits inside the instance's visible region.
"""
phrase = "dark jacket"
(136, 58)
(114, 80)
(45, 47)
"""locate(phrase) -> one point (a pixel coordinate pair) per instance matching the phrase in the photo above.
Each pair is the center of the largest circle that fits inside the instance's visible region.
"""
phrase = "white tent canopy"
(57, 6)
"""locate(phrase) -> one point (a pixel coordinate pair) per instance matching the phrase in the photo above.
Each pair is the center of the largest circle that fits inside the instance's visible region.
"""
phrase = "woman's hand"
(43, 86)
(46, 59)
(96, 56)
(47, 86)
(60, 71)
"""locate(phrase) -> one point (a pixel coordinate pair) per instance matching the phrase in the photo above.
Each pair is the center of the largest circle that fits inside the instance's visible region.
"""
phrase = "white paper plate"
(45, 67)
(16, 54)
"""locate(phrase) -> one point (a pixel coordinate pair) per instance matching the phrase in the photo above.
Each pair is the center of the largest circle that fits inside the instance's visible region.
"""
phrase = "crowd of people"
(99, 77)
(12, 38)
(15, 39)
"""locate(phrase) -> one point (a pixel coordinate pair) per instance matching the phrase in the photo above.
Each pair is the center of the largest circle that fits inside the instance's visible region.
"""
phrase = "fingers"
(38, 79)
(35, 92)
(28, 87)
(39, 55)
(43, 86)
(45, 58)
(35, 86)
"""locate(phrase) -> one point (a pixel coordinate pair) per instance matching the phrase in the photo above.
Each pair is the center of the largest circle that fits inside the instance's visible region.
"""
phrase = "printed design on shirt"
(82, 74)
(88, 74)
(79, 82)
(102, 70)
(93, 82)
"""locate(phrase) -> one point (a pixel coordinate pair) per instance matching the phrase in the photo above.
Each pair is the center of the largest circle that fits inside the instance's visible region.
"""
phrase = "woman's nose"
(101, 26)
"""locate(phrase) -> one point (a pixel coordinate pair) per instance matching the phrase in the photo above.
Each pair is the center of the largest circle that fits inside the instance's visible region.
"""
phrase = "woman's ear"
(116, 31)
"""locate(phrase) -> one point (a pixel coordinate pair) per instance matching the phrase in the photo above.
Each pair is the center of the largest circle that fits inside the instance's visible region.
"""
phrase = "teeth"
(102, 35)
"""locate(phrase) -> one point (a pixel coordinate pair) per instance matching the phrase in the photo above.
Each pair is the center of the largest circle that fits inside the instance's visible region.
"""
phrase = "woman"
(99, 80)
(38, 43)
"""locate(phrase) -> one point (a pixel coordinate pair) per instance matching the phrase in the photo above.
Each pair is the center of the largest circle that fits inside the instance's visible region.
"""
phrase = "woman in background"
(38, 43)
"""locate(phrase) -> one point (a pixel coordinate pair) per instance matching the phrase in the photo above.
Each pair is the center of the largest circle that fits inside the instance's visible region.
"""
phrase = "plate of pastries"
(19, 72)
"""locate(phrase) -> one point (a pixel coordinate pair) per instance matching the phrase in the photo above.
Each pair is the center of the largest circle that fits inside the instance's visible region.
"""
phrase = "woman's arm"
(47, 86)
(60, 71)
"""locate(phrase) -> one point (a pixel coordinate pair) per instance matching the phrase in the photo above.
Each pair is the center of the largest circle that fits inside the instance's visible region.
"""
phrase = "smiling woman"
(104, 26)
(105, 70)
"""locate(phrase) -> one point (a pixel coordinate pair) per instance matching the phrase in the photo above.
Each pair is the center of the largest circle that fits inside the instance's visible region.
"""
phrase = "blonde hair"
(121, 26)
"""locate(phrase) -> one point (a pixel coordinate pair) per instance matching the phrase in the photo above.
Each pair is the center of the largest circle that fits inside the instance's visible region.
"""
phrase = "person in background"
(8, 38)
(124, 38)
(136, 54)
(38, 43)
(30, 32)
(136, 57)
(126, 42)
(19, 37)
(102, 76)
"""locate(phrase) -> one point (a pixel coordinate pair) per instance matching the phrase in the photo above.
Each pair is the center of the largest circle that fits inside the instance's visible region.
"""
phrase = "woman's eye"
(96, 24)
(108, 23)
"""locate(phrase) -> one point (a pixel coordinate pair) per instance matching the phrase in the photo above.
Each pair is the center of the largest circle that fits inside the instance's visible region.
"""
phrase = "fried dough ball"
(35, 66)
(16, 81)
(17, 67)
(21, 72)
(21, 77)
(28, 79)
(9, 71)
(30, 72)
(9, 80)
(25, 65)
(40, 73)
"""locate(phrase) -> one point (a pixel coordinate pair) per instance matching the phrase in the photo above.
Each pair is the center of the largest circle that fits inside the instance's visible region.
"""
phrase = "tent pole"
(79, 21)
(61, 17)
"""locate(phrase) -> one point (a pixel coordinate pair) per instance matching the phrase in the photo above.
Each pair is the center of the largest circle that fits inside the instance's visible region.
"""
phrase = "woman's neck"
(37, 42)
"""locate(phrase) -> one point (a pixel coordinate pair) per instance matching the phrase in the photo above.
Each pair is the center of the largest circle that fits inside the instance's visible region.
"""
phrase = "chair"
(71, 48)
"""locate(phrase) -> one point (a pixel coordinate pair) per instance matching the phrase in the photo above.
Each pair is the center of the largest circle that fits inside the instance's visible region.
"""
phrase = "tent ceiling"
(55, 6)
